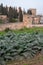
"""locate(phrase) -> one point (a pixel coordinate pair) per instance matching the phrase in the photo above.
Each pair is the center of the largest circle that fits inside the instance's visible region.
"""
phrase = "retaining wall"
(19, 25)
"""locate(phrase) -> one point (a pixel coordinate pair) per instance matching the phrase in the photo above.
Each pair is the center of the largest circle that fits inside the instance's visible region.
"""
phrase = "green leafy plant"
(20, 46)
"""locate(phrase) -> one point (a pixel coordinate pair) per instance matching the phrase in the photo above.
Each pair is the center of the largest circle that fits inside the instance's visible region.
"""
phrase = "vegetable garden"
(20, 46)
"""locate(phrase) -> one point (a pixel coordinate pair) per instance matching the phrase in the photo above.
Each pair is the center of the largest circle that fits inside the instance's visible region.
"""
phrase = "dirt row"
(37, 60)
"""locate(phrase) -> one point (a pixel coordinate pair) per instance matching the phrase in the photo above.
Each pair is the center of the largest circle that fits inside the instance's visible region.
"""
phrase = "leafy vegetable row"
(19, 46)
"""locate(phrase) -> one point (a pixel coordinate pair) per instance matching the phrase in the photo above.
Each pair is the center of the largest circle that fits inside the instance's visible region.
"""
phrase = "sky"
(38, 4)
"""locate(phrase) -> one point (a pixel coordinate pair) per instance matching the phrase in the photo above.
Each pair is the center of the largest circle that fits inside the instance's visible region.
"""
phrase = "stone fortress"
(32, 19)
(29, 21)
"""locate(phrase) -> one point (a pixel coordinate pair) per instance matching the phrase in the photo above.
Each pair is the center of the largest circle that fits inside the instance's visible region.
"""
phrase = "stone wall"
(16, 26)
(3, 17)
(31, 19)
(36, 20)
(28, 21)
(11, 26)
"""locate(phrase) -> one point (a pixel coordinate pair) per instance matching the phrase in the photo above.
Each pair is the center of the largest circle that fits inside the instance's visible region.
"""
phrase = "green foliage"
(11, 13)
(3, 10)
(1, 21)
(7, 29)
(29, 12)
(20, 46)
(12, 20)
(20, 15)
(25, 64)
(29, 30)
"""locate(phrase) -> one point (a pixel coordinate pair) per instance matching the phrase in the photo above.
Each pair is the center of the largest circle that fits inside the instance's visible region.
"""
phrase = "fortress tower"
(33, 11)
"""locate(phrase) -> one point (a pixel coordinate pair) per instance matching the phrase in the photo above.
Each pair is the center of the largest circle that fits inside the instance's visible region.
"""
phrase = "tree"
(10, 13)
(6, 10)
(24, 12)
(20, 15)
(15, 13)
(1, 8)
(29, 12)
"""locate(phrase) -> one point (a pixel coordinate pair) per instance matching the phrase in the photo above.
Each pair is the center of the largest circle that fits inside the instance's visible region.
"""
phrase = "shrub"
(12, 20)
(25, 64)
(1, 21)
(7, 29)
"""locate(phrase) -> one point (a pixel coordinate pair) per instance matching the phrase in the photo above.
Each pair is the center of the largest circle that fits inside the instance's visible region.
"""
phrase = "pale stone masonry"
(3, 17)
(32, 19)
(28, 21)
